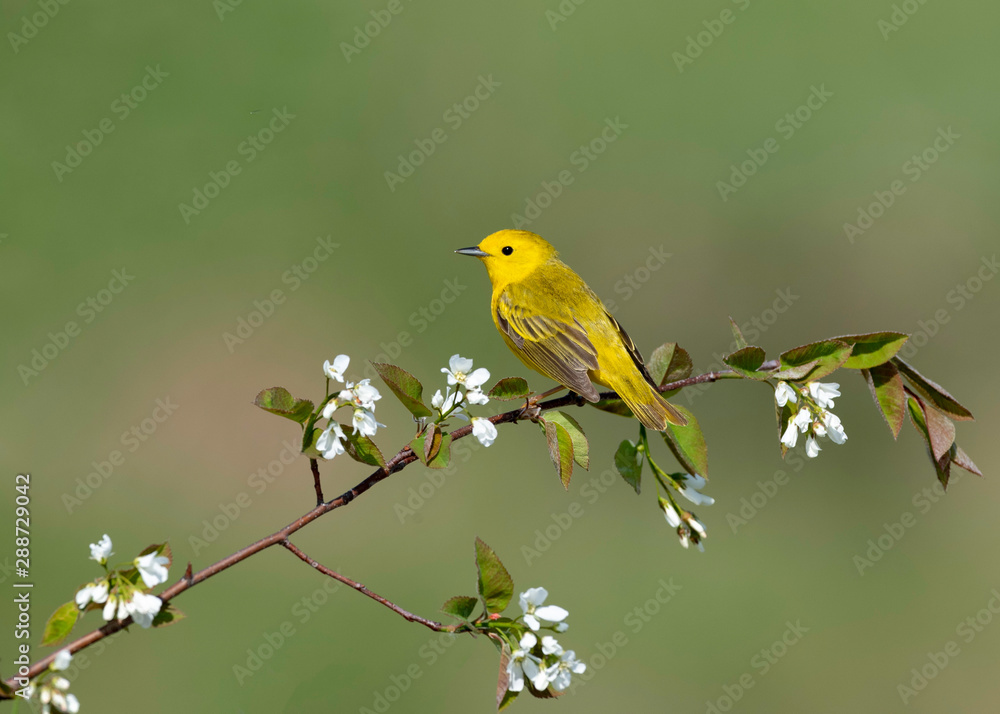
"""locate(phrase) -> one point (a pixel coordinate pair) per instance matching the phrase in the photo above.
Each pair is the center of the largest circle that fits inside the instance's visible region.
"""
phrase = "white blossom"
(152, 568)
(812, 447)
(834, 429)
(331, 442)
(698, 527)
(143, 608)
(484, 430)
(477, 396)
(534, 612)
(785, 393)
(337, 368)
(691, 487)
(551, 646)
(824, 393)
(459, 371)
(62, 660)
(522, 662)
(95, 592)
(561, 673)
(670, 513)
(61, 682)
(364, 422)
(101, 550)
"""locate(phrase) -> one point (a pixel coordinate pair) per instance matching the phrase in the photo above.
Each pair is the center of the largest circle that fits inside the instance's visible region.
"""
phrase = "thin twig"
(401, 460)
(314, 465)
(406, 615)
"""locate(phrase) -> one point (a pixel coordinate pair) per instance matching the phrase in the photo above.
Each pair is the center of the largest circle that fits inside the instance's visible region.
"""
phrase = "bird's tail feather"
(653, 410)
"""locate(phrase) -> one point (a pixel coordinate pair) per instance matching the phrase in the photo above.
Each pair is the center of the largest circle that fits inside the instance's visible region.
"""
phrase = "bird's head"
(511, 255)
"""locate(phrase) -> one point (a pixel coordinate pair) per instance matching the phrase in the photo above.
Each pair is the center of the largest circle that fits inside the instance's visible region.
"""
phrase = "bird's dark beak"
(474, 251)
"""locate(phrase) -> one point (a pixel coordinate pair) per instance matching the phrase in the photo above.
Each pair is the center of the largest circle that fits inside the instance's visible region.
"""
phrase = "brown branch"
(401, 460)
(314, 465)
(406, 615)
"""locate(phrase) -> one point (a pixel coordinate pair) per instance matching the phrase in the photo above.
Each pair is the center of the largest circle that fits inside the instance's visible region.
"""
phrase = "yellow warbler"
(556, 325)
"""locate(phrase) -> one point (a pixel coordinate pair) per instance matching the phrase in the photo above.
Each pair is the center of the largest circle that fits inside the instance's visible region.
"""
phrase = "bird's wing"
(560, 349)
(633, 351)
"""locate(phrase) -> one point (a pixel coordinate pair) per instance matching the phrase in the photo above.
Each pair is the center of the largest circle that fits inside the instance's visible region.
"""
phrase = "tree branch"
(401, 460)
(406, 615)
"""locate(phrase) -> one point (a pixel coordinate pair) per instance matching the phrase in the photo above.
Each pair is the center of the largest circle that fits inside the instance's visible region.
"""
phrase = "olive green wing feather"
(560, 348)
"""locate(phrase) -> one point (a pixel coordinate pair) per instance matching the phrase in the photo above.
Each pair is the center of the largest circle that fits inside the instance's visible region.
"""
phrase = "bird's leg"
(531, 410)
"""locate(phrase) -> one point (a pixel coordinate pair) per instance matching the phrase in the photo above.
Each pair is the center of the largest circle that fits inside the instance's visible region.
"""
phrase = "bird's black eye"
(507, 250)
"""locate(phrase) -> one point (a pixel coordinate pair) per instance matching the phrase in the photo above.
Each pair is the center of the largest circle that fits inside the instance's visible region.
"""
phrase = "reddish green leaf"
(933, 392)
(887, 390)
(560, 450)
(746, 361)
(581, 447)
(167, 615)
(872, 349)
(669, 363)
(460, 606)
(405, 386)
(496, 587)
(741, 341)
(829, 355)
(960, 458)
(505, 697)
(361, 448)
(919, 417)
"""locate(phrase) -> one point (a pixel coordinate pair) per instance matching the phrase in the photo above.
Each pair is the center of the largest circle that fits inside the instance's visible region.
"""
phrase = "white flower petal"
(459, 364)
(528, 640)
(812, 447)
(532, 622)
(477, 378)
(784, 393)
(152, 569)
(62, 660)
(101, 550)
(484, 431)
(552, 613)
(670, 513)
(698, 499)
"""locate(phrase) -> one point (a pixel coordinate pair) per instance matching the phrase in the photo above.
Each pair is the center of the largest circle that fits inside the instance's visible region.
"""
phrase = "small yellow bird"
(557, 326)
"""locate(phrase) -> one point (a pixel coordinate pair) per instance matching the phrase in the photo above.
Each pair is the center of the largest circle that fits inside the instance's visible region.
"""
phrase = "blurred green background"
(220, 71)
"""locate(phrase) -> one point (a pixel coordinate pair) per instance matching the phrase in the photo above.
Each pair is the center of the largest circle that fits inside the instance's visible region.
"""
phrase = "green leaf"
(435, 453)
(794, 374)
(496, 587)
(669, 363)
(940, 429)
(887, 390)
(581, 447)
(509, 388)
(629, 464)
(741, 341)
(167, 615)
(747, 361)
(361, 448)
(60, 624)
(688, 444)
(278, 400)
(873, 349)
(560, 450)
(933, 392)
(460, 606)
(828, 355)
(405, 386)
